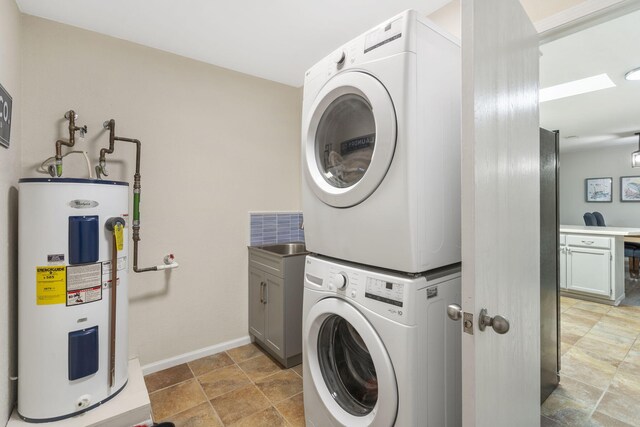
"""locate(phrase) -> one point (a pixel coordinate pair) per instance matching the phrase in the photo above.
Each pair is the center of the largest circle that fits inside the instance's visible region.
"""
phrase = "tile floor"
(600, 367)
(240, 387)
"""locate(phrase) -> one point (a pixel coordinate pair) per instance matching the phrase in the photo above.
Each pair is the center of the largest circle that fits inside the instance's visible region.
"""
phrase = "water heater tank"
(64, 297)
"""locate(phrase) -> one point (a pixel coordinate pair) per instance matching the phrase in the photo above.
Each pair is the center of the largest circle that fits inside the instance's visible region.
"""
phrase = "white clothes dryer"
(381, 148)
(379, 348)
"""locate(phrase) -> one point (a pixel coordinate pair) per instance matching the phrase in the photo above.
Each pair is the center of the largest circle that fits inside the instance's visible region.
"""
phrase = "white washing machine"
(378, 347)
(381, 148)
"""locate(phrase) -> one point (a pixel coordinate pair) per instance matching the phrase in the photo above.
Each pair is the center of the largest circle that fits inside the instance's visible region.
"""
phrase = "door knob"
(454, 311)
(498, 323)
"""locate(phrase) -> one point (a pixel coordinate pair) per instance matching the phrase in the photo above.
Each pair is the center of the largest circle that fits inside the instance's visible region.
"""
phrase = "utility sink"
(285, 249)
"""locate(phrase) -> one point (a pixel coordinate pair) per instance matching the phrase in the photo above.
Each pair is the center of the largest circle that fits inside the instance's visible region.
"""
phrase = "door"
(350, 136)
(589, 270)
(500, 214)
(274, 299)
(350, 366)
(256, 304)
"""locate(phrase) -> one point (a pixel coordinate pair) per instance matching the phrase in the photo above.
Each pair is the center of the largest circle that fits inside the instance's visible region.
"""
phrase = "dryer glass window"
(347, 367)
(345, 140)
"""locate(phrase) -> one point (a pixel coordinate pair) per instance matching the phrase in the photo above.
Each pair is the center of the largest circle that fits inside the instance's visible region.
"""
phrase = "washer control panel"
(388, 292)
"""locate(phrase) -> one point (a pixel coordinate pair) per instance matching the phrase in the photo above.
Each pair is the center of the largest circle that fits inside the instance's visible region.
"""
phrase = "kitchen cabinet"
(591, 266)
(276, 285)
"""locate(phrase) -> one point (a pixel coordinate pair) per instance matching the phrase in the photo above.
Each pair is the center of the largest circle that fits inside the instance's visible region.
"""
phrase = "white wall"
(576, 166)
(10, 64)
(215, 145)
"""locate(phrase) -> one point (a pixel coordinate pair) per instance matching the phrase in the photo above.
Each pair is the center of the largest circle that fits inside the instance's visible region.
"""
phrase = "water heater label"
(84, 283)
(50, 284)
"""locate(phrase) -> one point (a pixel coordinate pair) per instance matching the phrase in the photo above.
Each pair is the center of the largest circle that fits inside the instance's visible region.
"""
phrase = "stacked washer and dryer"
(381, 202)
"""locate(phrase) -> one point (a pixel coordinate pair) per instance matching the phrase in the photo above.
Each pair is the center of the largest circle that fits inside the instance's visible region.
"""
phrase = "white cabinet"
(589, 266)
(589, 270)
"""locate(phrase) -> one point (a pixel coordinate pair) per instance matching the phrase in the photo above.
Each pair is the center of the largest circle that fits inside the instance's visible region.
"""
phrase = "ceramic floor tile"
(566, 411)
(583, 315)
(617, 320)
(202, 415)
(245, 352)
(238, 404)
(611, 345)
(594, 370)
(167, 377)
(259, 367)
(603, 420)
(297, 369)
(608, 328)
(626, 382)
(620, 407)
(633, 358)
(564, 347)
(209, 363)
(292, 410)
(571, 334)
(280, 386)
(633, 312)
(546, 422)
(573, 318)
(568, 302)
(579, 391)
(175, 399)
(592, 306)
(224, 380)
(266, 418)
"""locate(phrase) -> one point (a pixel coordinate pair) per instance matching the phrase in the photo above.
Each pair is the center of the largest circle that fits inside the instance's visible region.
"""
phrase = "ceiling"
(606, 118)
(276, 40)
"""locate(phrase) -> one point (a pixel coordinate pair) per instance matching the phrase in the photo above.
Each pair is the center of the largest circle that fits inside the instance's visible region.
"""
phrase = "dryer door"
(350, 367)
(349, 137)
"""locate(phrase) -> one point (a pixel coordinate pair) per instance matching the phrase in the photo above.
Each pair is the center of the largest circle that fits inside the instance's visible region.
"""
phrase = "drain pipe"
(169, 260)
(71, 116)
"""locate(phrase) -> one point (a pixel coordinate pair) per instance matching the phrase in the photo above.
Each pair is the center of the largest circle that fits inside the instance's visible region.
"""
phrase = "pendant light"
(635, 156)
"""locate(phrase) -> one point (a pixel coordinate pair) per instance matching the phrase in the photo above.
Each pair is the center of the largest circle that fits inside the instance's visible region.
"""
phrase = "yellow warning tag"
(118, 233)
(51, 283)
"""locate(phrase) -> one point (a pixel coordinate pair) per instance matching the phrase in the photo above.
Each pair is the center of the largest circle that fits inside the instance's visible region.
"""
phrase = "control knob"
(339, 281)
(339, 57)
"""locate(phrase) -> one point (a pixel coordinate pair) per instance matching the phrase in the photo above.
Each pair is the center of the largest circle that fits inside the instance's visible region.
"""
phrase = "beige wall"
(216, 144)
(10, 47)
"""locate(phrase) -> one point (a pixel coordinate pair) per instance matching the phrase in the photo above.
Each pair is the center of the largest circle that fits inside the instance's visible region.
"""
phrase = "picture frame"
(630, 188)
(599, 190)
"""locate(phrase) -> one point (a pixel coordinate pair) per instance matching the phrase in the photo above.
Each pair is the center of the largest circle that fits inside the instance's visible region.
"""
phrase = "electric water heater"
(72, 305)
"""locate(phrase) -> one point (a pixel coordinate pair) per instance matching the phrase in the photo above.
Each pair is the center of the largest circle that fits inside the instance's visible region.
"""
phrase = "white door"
(350, 139)
(500, 214)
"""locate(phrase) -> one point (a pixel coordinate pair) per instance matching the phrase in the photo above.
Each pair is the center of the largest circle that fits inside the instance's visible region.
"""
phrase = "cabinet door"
(563, 267)
(256, 305)
(589, 270)
(274, 332)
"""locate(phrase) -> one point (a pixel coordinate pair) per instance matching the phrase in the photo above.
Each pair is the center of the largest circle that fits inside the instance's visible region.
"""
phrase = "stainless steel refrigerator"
(549, 264)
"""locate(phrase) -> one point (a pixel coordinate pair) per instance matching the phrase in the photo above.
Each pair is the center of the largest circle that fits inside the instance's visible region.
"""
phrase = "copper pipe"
(113, 306)
(71, 116)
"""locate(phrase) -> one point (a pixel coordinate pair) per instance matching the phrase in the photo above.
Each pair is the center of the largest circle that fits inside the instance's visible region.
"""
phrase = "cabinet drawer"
(589, 241)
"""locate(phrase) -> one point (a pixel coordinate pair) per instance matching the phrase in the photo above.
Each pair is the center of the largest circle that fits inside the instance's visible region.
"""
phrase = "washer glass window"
(347, 366)
(345, 140)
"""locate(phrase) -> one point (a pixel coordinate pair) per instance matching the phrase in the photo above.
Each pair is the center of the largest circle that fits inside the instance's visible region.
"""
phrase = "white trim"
(150, 368)
(585, 14)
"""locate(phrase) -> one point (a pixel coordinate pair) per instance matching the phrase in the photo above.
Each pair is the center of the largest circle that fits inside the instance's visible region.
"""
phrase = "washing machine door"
(349, 365)
(350, 133)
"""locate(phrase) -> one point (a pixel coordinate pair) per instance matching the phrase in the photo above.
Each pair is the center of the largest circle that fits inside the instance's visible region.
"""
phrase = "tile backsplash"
(275, 227)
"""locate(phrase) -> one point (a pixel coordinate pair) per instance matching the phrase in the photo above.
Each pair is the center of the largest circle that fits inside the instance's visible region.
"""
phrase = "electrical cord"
(43, 169)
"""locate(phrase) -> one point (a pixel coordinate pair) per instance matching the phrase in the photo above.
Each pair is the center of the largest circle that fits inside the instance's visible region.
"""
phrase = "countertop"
(606, 231)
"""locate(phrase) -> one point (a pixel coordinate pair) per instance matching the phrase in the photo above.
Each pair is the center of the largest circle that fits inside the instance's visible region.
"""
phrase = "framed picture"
(630, 188)
(598, 189)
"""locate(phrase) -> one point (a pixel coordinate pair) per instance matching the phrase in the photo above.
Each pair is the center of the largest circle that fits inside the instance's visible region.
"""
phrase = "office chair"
(589, 219)
(599, 219)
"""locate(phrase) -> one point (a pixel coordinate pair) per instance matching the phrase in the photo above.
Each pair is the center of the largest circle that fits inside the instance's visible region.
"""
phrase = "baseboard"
(193, 355)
